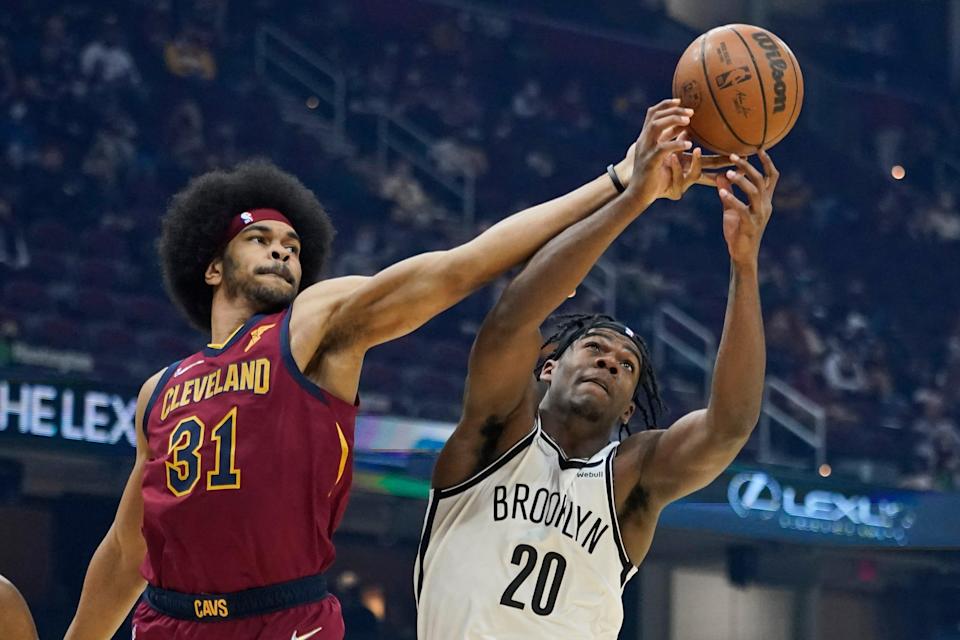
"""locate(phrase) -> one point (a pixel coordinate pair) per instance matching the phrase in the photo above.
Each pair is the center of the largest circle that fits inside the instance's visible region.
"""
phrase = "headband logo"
(247, 217)
(629, 331)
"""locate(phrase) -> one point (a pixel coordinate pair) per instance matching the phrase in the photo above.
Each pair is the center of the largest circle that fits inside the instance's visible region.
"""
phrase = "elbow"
(129, 553)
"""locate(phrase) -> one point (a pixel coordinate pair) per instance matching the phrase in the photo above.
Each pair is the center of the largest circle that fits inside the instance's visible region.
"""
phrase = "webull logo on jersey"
(252, 376)
(551, 509)
(759, 495)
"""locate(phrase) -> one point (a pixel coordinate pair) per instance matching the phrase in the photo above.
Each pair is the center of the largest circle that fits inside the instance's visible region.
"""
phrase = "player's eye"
(627, 365)
(294, 249)
(593, 346)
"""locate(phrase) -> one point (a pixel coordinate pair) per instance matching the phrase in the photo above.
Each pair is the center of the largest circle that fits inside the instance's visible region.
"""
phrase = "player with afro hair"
(198, 217)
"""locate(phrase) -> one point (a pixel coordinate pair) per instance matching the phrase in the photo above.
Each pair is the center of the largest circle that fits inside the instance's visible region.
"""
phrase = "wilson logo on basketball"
(777, 66)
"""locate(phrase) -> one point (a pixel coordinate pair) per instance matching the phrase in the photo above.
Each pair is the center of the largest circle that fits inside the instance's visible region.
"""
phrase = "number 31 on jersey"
(184, 465)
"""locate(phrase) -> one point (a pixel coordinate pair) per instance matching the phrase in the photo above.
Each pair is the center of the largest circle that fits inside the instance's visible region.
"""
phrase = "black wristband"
(615, 178)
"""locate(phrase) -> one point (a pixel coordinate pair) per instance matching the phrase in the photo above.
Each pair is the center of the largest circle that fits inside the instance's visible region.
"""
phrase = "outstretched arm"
(404, 296)
(700, 445)
(113, 581)
(499, 400)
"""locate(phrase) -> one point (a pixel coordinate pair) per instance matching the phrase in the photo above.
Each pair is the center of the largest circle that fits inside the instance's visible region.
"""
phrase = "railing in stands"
(398, 136)
(602, 282)
(789, 409)
(783, 406)
(286, 59)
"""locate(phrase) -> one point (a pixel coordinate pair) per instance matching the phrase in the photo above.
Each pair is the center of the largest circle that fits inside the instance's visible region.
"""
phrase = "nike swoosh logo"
(306, 635)
(182, 370)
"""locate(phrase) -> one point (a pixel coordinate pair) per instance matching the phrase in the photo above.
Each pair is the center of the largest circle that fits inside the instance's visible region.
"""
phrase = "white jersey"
(527, 548)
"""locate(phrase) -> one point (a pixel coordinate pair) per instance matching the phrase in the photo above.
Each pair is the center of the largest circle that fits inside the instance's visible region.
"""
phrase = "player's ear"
(628, 412)
(546, 372)
(213, 276)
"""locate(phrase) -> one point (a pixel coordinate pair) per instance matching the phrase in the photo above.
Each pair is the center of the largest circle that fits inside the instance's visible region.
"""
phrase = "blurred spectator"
(190, 55)
(106, 62)
(13, 246)
(112, 152)
(528, 101)
(403, 189)
(185, 136)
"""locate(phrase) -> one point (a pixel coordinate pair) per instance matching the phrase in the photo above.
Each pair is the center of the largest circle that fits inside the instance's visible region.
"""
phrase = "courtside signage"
(761, 496)
(65, 412)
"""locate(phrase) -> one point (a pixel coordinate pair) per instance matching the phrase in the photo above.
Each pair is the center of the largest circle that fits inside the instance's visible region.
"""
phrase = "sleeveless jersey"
(250, 466)
(528, 548)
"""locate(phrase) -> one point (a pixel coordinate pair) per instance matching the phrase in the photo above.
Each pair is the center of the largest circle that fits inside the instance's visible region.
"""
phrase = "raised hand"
(658, 164)
(743, 224)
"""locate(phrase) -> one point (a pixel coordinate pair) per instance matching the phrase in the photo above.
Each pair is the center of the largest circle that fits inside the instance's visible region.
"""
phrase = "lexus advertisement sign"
(794, 507)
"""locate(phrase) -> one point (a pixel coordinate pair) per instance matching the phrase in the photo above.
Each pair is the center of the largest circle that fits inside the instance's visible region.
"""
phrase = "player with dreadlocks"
(570, 326)
(533, 506)
(244, 448)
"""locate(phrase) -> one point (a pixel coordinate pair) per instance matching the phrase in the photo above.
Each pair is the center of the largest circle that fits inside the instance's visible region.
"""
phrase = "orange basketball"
(744, 85)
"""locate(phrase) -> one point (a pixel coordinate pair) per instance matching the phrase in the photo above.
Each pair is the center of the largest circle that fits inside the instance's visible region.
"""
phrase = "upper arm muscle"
(501, 366)
(398, 300)
(688, 457)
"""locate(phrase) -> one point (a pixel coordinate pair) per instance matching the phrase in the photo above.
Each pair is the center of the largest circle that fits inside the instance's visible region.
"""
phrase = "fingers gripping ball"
(745, 86)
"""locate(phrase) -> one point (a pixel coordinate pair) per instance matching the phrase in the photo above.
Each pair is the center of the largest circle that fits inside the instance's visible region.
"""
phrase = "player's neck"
(579, 437)
(226, 315)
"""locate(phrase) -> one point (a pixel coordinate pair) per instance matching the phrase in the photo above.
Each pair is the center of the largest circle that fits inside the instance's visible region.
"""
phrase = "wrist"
(615, 180)
(638, 196)
(746, 267)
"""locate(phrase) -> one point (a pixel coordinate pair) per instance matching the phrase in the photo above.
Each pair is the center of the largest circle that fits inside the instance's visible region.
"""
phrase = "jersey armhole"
(504, 458)
(290, 363)
(628, 567)
(161, 383)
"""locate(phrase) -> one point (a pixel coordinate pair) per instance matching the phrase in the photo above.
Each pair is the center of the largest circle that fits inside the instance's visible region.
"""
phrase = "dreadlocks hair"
(571, 326)
(197, 219)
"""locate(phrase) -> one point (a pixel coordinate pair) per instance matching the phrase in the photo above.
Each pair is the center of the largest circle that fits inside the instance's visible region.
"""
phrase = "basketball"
(744, 85)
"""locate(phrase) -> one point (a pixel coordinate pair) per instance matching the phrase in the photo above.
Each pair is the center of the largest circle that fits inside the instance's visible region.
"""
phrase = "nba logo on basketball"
(734, 76)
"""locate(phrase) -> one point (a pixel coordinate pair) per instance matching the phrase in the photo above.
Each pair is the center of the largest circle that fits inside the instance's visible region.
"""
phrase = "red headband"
(242, 220)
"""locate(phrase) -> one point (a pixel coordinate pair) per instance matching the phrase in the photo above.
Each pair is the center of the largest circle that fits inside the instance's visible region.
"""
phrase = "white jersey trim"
(504, 458)
(565, 462)
(628, 567)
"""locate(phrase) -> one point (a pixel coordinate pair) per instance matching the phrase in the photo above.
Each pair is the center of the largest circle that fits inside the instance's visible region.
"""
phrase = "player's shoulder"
(635, 450)
(313, 306)
(150, 384)
(330, 290)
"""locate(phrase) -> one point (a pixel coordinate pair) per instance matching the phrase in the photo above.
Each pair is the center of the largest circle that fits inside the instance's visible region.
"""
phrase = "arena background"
(418, 123)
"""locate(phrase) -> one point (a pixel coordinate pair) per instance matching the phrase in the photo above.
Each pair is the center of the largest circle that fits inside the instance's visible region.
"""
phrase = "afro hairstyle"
(197, 218)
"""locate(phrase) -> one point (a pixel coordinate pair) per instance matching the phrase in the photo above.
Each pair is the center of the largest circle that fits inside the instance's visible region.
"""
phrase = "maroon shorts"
(319, 620)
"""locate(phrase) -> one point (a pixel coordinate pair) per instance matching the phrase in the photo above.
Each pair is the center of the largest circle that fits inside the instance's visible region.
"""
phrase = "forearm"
(512, 241)
(562, 264)
(111, 587)
(738, 374)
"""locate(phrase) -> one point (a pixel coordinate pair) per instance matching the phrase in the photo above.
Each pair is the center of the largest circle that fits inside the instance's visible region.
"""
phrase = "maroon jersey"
(250, 466)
